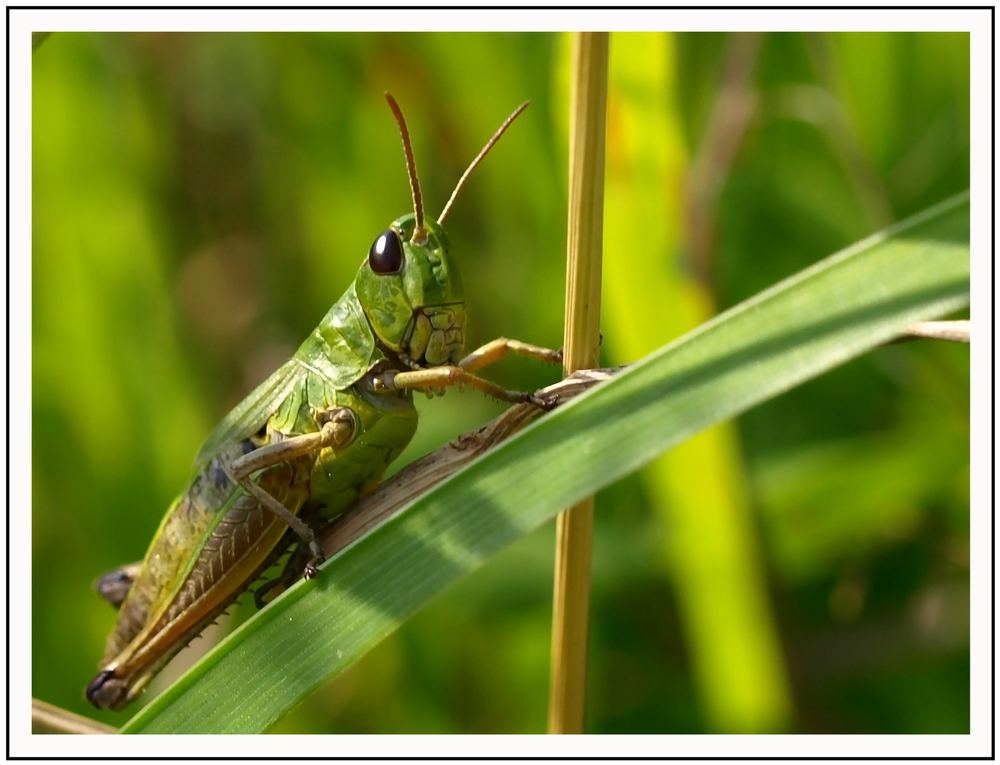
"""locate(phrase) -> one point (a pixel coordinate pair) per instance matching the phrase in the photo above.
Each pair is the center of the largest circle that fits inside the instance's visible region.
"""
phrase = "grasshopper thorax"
(412, 294)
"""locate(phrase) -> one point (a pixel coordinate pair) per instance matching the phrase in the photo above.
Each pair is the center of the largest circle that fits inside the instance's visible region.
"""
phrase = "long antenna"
(479, 158)
(419, 234)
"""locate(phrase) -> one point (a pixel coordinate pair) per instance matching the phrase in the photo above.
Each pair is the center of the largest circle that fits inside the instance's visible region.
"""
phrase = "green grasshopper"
(305, 444)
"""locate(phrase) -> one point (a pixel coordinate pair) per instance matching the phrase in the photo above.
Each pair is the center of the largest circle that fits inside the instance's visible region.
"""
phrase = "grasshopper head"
(409, 287)
(411, 292)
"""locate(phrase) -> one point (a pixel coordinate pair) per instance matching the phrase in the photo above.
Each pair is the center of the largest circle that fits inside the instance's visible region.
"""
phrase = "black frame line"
(285, 8)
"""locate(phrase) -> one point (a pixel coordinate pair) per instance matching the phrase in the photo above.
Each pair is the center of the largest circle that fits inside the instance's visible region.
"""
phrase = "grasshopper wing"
(248, 416)
(341, 350)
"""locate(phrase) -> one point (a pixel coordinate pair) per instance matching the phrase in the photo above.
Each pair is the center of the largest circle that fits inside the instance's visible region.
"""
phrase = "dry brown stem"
(47, 718)
(418, 477)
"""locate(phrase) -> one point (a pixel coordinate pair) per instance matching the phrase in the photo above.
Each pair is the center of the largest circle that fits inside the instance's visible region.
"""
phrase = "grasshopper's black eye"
(386, 254)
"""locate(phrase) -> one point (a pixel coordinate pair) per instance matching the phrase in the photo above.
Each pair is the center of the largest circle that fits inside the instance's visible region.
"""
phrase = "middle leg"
(440, 377)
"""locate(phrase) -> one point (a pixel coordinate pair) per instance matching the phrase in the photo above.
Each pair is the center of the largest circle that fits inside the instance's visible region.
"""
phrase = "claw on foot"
(546, 403)
(312, 568)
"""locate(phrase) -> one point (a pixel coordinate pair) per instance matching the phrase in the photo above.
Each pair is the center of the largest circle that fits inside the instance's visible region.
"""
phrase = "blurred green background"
(199, 200)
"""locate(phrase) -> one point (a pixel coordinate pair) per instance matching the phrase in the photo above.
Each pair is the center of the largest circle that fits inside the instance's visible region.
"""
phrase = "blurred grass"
(198, 201)
(710, 547)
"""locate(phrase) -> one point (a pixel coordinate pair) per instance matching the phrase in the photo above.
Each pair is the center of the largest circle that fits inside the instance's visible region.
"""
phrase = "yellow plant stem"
(574, 526)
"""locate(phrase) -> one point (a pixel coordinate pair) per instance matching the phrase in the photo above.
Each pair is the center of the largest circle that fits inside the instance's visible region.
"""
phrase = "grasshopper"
(305, 444)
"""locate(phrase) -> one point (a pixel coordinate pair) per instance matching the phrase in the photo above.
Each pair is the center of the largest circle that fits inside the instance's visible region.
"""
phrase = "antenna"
(419, 234)
(479, 158)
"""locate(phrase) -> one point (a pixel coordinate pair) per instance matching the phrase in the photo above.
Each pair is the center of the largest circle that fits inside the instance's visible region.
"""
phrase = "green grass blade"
(827, 314)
